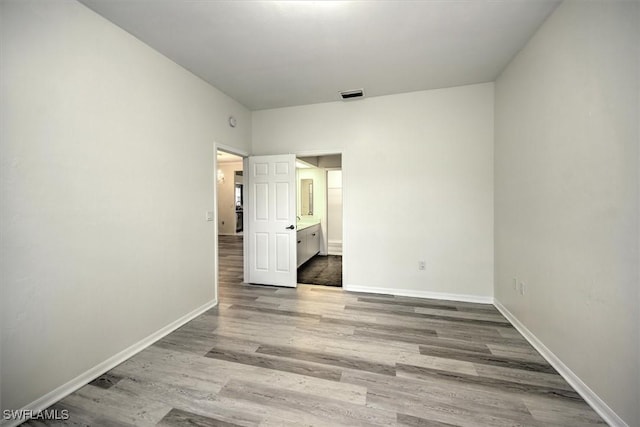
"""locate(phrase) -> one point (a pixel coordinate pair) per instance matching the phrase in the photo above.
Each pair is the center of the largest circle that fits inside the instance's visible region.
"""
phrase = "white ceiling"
(268, 54)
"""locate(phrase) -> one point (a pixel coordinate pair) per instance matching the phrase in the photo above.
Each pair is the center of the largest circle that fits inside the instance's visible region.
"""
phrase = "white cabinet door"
(313, 241)
(308, 243)
(272, 218)
(301, 251)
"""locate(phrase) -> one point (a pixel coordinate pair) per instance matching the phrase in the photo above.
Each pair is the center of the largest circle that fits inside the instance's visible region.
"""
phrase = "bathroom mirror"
(306, 196)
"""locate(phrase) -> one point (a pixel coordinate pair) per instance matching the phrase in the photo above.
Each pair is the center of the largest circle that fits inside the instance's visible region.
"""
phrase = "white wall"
(227, 198)
(107, 172)
(418, 184)
(566, 178)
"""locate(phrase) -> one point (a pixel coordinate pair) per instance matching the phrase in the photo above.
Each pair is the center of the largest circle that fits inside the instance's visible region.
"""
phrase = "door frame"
(244, 154)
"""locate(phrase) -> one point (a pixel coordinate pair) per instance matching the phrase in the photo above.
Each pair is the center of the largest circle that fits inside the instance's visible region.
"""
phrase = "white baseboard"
(420, 294)
(334, 247)
(598, 405)
(81, 380)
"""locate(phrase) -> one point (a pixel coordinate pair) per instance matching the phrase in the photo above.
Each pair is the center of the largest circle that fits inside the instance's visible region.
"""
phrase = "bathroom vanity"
(308, 241)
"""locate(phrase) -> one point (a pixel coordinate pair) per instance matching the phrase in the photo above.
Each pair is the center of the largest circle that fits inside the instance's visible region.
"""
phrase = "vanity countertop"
(306, 223)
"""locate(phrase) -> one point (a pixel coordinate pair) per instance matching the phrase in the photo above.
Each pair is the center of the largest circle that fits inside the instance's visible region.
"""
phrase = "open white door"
(272, 220)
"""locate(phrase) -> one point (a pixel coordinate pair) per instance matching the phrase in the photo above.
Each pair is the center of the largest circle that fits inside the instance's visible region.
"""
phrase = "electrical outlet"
(522, 288)
(422, 265)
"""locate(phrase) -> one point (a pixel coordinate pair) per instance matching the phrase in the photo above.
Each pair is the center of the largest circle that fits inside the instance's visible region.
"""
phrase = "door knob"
(291, 227)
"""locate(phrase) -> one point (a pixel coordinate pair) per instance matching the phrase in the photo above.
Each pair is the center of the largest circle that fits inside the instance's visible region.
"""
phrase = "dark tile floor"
(322, 270)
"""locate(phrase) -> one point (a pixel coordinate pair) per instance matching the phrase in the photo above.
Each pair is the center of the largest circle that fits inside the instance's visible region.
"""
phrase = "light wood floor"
(321, 356)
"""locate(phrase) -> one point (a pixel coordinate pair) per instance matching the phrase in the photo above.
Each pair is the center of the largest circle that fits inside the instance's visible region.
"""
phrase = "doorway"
(230, 190)
(230, 225)
(319, 210)
(238, 272)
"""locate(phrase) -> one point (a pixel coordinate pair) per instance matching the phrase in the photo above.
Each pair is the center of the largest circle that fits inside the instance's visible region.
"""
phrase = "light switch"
(209, 215)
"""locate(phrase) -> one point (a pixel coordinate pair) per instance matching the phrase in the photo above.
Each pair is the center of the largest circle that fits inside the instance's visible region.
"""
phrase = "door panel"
(282, 252)
(282, 168)
(261, 202)
(261, 246)
(261, 169)
(282, 201)
(272, 240)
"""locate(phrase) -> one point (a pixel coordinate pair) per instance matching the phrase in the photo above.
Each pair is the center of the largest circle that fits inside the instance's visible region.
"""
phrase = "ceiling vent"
(351, 94)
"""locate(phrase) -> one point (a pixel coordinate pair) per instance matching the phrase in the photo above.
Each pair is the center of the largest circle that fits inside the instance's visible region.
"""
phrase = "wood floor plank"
(333, 412)
(486, 359)
(278, 322)
(330, 359)
(501, 351)
(440, 403)
(277, 311)
(464, 314)
(434, 323)
(179, 418)
(382, 328)
(190, 399)
(414, 303)
(513, 386)
(79, 416)
(474, 337)
(555, 413)
(453, 413)
(525, 377)
(310, 370)
(439, 363)
(116, 406)
(411, 421)
(451, 318)
(406, 388)
(424, 339)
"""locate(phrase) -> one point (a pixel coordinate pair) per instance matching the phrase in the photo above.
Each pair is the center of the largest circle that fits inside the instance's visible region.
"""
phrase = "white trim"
(231, 150)
(318, 153)
(335, 247)
(420, 294)
(598, 405)
(81, 380)
(245, 228)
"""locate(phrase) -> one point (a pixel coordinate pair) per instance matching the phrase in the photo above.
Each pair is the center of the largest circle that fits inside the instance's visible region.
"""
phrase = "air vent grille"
(352, 94)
